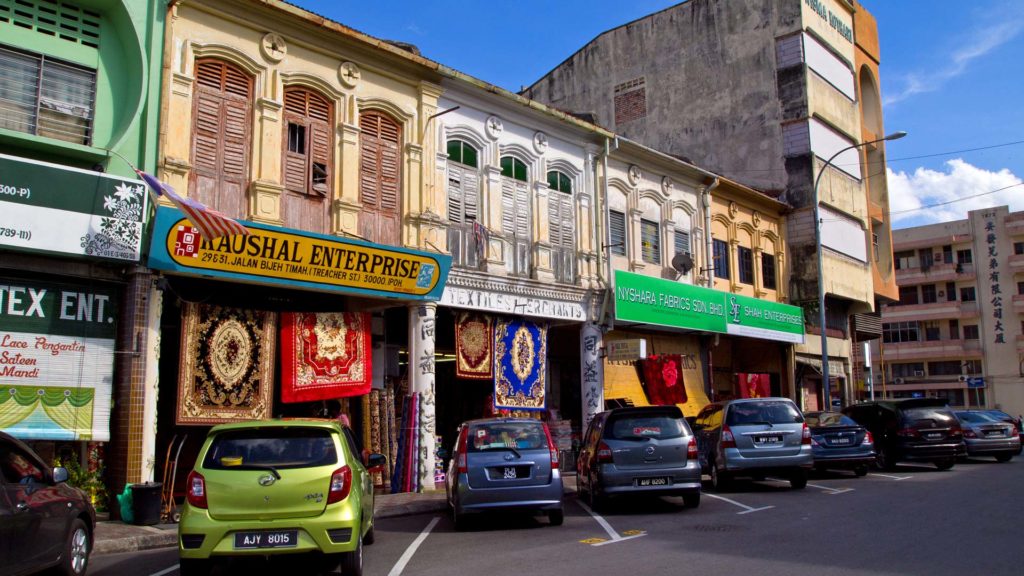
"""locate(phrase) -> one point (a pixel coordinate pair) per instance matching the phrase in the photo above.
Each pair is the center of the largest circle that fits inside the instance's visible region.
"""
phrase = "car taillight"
(460, 451)
(691, 450)
(956, 431)
(341, 484)
(908, 433)
(196, 494)
(727, 439)
(551, 447)
(806, 438)
(868, 438)
(968, 433)
(604, 454)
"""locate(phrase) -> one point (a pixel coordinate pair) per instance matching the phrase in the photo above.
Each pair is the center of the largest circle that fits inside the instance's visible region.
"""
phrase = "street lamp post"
(821, 280)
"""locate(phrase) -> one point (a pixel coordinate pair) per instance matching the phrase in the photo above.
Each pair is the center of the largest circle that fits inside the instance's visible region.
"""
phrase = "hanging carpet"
(326, 355)
(226, 370)
(755, 385)
(474, 346)
(520, 364)
(663, 379)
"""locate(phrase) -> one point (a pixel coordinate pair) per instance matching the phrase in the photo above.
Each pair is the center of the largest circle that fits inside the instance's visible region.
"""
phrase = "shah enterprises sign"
(648, 300)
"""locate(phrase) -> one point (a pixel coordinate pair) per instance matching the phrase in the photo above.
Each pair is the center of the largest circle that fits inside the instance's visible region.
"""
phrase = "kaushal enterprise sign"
(298, 259)
(648, 300)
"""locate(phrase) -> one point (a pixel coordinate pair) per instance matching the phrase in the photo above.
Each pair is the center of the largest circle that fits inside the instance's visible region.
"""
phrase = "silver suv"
(753, 437)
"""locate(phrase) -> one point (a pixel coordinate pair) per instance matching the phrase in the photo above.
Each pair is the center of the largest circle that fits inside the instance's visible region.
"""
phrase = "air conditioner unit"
(897, 380)
(963, 378)
(918, 373)
(942, 294)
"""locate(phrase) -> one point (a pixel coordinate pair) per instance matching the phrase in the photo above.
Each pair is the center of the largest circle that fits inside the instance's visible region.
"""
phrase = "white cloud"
(983, 41)
(913, 195)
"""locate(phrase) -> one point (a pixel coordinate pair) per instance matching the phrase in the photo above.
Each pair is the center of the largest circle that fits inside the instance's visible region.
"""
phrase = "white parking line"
(889, 476)
(827, 489)
(746, 509)
(165, 571)
(615, 537)
(407, 555)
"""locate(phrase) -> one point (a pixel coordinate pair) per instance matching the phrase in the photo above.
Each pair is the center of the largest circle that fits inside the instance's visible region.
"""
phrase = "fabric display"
(226, 369)
(520, 365)
(406, 476)
(663, 379)
(373, 416)
(326, 355)
(754, 385)
(474, 346)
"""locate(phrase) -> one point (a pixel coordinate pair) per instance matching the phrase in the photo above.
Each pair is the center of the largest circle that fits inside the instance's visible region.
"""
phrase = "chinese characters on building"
(993, 276)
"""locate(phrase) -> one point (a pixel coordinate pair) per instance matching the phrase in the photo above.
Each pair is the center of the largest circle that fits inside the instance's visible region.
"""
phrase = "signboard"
(648, 300)
(297, 259)
(978, 382)
(56, 360)
(56, 209)
(486, 300)
(626, 350)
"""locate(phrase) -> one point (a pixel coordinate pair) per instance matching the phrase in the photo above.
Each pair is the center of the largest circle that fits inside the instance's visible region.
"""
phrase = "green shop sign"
(648, 300)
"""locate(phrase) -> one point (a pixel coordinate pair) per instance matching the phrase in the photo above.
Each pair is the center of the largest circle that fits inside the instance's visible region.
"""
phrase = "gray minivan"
(753, 437)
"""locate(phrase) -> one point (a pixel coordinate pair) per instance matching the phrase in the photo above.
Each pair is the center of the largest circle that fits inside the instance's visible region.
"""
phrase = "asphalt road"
(916, 520)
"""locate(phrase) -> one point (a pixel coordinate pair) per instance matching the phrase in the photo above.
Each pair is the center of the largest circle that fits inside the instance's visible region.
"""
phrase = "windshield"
(278, 448)
(661, 427)
(506, 435)
(829, 419)
(763, 412)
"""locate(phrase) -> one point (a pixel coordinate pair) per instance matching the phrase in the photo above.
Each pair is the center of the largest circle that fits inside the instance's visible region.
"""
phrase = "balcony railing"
(935, 349)
(937, 272)
(463, 246)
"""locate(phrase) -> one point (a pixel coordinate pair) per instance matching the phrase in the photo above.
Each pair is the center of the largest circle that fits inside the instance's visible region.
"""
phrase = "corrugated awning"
(835, 367)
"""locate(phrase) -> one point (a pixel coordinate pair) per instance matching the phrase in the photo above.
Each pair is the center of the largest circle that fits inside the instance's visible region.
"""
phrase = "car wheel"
(193, 567)
(370, 537)
(579, 487)
(798, 479)
(556, 517)
(861, 470)
(75, 555)
(945, 463)
(691, 499)
(1004, 457)
(352, 562)
(885, 460)
(458, 520)
(720, 479)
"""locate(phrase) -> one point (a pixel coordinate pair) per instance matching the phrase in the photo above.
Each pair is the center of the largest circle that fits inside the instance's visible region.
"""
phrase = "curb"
(152, 538)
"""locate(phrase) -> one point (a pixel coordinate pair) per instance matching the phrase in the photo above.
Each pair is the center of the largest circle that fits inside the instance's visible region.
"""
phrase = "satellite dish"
(682, 262)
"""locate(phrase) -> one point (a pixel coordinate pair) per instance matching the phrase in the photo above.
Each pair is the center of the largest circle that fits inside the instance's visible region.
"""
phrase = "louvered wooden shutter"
(455, 204)
(221, 116)
(682, 242)
(617, 228)
(380, 177)
(508, 206)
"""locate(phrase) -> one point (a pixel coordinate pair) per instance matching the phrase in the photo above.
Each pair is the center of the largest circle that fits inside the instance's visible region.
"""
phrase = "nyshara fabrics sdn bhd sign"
(297, 259)
(647, 300)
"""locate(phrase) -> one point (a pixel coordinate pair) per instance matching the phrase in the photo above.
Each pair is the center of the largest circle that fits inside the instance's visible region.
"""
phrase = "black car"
(44, 522)
(839, 442)
(913, 429)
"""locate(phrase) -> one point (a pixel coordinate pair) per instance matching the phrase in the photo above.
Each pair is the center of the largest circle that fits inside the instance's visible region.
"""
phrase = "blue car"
(839, 442)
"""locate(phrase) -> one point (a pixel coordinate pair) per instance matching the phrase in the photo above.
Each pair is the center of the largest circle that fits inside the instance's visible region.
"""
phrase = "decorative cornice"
(517, 286)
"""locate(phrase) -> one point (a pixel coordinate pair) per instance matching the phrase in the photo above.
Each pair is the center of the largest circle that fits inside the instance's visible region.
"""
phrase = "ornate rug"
(663, 379)
(226, 371)
(754, 385)
(473, 346)
(520, 363)
(326, 355)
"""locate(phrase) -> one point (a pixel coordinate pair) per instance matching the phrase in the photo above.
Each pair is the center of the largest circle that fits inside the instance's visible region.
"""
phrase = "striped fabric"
(210, 223)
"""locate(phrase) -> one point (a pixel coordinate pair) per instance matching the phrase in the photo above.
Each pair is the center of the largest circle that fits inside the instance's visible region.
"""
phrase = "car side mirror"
(376, 462)
(60, 474)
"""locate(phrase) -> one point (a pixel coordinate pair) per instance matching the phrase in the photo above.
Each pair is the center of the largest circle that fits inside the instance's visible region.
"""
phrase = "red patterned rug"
(226, 371)
(473, 346)
(326, 355)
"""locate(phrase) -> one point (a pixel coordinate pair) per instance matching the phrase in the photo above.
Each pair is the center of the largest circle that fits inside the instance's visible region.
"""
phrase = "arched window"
(562, 227)
(380, 155)
(515, 215)
(221, 133)
(463, 204)
(307, 150)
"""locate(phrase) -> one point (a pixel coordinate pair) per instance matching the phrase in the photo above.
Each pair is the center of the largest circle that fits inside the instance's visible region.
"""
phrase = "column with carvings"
(422, 324)
(591, 374)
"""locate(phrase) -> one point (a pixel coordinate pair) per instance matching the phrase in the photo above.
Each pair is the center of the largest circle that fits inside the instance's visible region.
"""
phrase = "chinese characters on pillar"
(593, 392)
(993, 276)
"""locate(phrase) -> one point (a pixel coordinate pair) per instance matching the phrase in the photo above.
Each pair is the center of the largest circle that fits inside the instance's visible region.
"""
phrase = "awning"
(835, 367)
(623, 383)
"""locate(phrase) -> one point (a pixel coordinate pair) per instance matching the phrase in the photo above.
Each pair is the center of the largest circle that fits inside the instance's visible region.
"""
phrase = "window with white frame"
(617, 229)
(562, 227)
(650, 241)
(515, 214)
(464, 241)
(745, 264)
(46, 97)
(721, 256)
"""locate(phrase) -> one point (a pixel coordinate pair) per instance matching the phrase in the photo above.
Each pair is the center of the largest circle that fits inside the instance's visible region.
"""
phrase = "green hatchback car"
(278, 487)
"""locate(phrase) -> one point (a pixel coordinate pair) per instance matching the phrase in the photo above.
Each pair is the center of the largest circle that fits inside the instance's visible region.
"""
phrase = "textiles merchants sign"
(660, 302)
(299, 259)
(52, 208)
(56, 360)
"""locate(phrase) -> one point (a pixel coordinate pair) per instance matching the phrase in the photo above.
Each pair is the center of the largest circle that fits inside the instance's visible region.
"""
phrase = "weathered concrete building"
(763, 92)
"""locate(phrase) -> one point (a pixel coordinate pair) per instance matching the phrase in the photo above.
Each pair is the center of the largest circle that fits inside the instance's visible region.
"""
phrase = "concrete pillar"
(592, 374)
(422, 323)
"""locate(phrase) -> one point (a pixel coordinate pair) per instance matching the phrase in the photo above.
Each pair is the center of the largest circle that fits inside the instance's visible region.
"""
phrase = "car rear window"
(503, 435)
(763, 412)
(976, 417)
(829, 419)
(927, 415)
(279, 448)
(629, 427)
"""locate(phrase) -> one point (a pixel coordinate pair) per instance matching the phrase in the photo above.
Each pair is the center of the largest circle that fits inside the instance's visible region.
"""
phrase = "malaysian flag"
(482, 237)
(209, 222)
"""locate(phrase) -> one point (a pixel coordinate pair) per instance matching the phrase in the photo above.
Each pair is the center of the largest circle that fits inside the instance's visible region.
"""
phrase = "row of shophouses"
(372, 180)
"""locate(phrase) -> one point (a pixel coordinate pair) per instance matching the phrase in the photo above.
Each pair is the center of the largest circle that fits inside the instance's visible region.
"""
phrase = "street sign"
(976, 382)
(626, 350)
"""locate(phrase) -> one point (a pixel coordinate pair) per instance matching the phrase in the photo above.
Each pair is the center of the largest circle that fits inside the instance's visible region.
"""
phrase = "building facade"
(763, 93)
(957, 331)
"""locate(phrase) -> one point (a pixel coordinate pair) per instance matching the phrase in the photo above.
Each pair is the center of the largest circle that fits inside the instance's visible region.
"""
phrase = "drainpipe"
(604, 234)
(709, 244)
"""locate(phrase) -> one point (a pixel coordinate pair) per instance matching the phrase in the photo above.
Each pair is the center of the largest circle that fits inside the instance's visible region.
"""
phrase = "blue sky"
(952, 76)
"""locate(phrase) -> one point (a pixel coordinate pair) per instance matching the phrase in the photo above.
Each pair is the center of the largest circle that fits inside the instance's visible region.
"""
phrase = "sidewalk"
(113, 536)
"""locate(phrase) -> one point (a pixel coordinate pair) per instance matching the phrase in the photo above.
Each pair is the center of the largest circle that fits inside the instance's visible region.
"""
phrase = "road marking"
(165, 571)
(897, 478)
(746, 509)
(407, 555)
(615, 537)
(827, 489)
